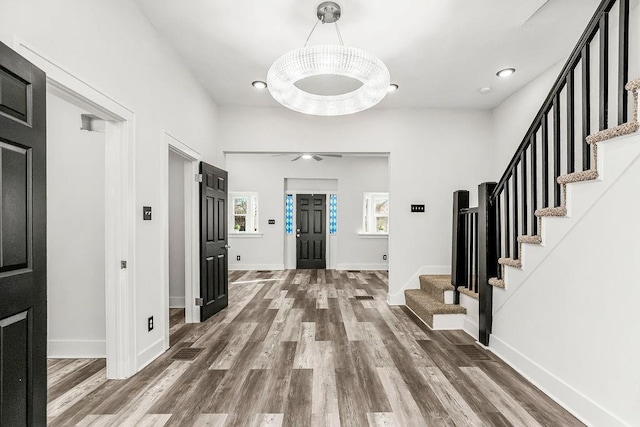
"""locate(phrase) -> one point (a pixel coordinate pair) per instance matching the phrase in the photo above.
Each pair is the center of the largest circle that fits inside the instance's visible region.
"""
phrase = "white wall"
(512, 118)
(76, 235)
(111, 46)
(350, 177)
(568, 319)
(176, 230)
(432, 153)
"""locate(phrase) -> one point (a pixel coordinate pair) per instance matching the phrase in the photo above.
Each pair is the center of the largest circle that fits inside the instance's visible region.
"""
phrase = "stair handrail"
(571, 64)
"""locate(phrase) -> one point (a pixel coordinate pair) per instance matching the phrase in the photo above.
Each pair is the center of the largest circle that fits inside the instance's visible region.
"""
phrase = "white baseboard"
(583, 408)
(176, 302)
(397, 298)
(150, 354)
(76, 349)
(247, 267)
(363, 267)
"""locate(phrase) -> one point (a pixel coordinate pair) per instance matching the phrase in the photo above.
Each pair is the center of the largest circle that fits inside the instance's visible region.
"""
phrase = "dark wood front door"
(214, 264)
(310, 233)
(23, 251)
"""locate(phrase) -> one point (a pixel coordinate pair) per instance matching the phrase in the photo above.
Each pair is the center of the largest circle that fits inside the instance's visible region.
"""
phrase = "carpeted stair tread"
(425, 307)
(534, 240)
(633, 85)
(554, 211)
(498, 283)
(468, 292)
(588, 175)
(624, 129)
(515, 263)
(436, 286)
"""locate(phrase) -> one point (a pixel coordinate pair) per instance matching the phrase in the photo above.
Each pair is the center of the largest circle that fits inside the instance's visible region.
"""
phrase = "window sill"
(245, 235)
(373, 236)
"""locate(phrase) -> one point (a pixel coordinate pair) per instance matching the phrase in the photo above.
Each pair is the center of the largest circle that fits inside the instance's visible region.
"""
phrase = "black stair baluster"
(604, 71)
(475, 286)
(534, 184)
(499, 228)
(586, 107)
(570, 123)
(623, 61)
(545, 160)
(524, 193)
(514, 235)
(556, 150)
(507, 219)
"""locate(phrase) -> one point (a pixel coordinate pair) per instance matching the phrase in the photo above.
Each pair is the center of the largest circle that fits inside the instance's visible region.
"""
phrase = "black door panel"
(23, 252)
(311, 236)
(214, 264)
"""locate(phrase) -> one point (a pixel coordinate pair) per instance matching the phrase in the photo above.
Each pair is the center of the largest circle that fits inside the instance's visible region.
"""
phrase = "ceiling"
(440, 52)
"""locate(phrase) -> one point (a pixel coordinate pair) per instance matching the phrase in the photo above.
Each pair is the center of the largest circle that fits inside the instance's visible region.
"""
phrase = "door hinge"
(199, 302)
(198, 177)
(123, 264)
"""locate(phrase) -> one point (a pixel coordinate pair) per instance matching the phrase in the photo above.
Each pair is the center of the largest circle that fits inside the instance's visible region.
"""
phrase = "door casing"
(191, 229)
(122, 358)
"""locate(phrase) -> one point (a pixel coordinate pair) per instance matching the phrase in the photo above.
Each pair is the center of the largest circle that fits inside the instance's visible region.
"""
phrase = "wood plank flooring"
(296, 348)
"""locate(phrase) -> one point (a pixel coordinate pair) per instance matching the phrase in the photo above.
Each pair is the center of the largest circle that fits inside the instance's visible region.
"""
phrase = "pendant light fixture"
(328, 60)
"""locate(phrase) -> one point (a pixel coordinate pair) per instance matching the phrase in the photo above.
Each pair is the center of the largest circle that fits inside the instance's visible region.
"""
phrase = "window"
(376, 213)
(333, 213)
(244, 212)
(288, 212)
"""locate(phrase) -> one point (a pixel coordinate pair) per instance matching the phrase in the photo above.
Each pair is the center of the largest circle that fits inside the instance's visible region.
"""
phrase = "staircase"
(591, 174)
(433, 303)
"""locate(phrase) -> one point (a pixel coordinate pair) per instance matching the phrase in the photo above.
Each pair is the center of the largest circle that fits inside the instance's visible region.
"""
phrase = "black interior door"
(214, 264)
(23, 280)
(310, 233)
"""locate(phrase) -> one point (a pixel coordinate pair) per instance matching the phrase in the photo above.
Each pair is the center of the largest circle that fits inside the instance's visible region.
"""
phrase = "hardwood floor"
(297, 348)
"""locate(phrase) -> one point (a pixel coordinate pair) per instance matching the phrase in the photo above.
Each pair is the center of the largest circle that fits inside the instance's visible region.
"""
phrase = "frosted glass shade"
(328, 60)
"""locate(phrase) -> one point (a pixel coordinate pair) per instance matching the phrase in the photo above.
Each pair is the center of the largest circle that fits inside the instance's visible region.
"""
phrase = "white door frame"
(191, 229)
(290, 242)
(120, 245)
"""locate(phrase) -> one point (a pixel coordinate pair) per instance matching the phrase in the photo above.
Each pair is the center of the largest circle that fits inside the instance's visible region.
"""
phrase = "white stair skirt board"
(471, 318)
(176, 302)
(448, 297)
(572, 400)
(76, 349)
(249, 267)
(443, 322)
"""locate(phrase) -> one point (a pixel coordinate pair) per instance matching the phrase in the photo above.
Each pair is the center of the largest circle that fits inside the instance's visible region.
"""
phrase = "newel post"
(487, 257)
(458, 253)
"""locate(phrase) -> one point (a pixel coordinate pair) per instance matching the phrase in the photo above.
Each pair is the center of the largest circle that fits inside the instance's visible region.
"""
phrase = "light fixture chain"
(312, 30)
(339, 35)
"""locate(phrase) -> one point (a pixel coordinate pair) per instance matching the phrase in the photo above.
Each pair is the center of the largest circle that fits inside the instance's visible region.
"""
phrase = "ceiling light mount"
(328, 60)
(329, 12)
(506, 72)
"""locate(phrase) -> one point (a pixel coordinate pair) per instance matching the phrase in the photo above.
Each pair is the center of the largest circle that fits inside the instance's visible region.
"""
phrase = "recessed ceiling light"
(506, 72)
(485, 90)
(393, 87)
(259, 84)
(307, 156)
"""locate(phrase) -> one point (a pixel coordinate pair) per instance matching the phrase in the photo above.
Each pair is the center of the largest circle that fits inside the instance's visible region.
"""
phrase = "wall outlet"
(384, 257)
(238, 258)
(150, 324)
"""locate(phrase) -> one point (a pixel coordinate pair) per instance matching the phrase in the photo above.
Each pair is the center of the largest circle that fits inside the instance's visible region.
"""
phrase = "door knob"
(227, 247)
(297, 235)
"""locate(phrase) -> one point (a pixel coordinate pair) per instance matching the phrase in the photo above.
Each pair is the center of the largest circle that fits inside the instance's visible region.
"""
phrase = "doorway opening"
(180, 213)
(76, 242)
(122, 359)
